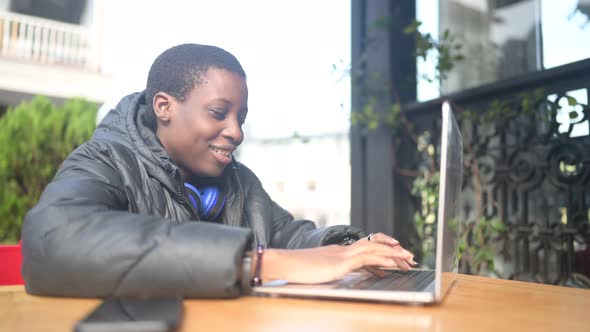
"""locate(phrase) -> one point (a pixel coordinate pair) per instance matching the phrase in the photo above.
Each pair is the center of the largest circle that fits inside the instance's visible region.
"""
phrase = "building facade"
(308, 176)
(51, 48)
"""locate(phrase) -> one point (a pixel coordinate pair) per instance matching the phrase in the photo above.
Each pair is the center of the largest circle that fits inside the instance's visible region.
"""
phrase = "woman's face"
(201, 133)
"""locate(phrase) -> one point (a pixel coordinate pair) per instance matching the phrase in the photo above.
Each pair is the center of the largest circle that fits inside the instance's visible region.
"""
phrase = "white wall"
(310, 179)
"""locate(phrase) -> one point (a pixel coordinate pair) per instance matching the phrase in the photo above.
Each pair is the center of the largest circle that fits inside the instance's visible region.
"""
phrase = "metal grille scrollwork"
(527, 169)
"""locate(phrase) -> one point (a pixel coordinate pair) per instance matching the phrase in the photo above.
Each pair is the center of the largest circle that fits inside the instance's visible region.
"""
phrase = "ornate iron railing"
(527, 171)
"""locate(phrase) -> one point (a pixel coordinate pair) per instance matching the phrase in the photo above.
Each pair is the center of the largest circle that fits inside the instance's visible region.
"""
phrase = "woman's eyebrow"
(221, 99)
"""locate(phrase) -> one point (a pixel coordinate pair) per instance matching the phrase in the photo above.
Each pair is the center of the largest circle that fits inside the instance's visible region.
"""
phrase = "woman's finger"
(402, 264)
(368, 260)
(382, 238)
(377, 248)
(375, 271)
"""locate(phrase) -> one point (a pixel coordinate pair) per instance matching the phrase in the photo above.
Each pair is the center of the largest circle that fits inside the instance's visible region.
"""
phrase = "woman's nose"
(233, 131)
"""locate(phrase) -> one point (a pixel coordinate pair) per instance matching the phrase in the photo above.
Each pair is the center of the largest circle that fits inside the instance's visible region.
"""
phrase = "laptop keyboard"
(413, 280)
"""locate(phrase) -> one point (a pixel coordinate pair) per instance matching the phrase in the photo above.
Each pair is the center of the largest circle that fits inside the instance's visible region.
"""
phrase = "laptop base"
(342, 290)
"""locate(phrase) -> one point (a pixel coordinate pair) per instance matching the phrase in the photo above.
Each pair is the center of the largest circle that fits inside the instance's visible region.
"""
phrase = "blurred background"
(299, 105)
(344, 120)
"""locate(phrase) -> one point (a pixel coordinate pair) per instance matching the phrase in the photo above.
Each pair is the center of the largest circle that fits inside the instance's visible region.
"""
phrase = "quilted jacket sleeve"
(281, 229)
(81, 241)
(291, 234)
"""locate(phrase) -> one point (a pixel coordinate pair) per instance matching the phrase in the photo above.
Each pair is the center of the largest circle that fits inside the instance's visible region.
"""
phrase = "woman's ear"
(163, 106)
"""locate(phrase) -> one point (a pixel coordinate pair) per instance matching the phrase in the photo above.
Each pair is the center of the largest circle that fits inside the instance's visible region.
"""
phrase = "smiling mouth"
(223, 152)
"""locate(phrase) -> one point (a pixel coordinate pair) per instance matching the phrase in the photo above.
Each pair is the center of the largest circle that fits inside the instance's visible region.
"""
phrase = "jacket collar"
(130, 123)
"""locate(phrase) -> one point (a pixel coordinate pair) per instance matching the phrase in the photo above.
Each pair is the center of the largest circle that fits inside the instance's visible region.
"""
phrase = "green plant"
(425, 186)
(476, 248)
(446, 50)
(35, 137)
(480, 236)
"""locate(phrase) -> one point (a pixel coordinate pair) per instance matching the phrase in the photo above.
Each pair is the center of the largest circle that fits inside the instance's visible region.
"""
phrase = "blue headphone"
(208, 201)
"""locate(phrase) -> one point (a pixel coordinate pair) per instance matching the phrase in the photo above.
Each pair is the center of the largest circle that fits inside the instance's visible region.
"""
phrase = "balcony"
(524, 212)
(41, 56)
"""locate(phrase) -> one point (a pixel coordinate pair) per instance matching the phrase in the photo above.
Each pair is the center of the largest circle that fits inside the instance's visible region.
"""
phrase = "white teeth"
(221, 152)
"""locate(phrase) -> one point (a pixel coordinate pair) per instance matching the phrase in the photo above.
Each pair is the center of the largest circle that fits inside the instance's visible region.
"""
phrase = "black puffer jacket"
(115, 221)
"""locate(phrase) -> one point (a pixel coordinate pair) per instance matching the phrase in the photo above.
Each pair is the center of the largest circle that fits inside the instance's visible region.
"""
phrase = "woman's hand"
(328, 263)
(403, 262)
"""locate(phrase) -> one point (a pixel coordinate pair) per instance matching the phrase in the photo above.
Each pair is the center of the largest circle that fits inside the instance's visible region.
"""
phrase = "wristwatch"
(245, 278)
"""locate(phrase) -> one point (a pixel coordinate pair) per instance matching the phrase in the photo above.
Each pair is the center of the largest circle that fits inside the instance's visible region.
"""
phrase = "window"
(504, 38)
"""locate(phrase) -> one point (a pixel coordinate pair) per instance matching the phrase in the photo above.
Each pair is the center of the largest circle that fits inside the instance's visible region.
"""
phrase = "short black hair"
(180, 68)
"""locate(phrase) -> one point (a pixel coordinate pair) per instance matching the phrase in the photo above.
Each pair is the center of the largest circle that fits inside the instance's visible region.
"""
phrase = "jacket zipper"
(182, 195)
(241, 193)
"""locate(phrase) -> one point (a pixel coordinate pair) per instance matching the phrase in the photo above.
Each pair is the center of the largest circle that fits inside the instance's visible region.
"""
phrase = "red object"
(11, 260)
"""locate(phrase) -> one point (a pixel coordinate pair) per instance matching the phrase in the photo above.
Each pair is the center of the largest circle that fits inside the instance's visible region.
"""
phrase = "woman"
(122, 217)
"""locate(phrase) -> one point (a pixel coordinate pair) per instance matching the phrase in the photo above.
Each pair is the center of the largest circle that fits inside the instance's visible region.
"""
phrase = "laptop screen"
(451, 176)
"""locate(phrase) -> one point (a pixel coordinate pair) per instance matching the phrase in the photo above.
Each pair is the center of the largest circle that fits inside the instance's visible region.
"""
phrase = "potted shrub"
(35, 137)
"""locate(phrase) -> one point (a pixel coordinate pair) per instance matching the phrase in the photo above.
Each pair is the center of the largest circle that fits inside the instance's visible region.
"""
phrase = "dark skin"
(200, 134)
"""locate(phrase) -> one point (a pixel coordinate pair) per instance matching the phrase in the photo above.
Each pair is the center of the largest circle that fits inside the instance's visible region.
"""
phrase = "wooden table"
(473, 304)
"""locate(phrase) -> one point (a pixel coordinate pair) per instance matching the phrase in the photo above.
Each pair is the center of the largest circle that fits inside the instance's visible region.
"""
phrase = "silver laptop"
(414, 286)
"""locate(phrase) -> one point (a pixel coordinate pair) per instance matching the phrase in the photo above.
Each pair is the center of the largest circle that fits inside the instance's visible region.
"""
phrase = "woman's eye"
(219, 115)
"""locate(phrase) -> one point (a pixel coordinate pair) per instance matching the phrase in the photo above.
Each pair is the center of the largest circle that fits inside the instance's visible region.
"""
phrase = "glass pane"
(566, 31)
(502, 39)
(499, 39)
(427, 13)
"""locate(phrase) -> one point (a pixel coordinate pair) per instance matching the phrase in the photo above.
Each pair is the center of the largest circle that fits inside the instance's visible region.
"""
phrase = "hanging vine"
(480, 236)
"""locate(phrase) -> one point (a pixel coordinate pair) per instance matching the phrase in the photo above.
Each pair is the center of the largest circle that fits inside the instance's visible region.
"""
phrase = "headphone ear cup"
(212, 200)
(208, 201)
(194, 196)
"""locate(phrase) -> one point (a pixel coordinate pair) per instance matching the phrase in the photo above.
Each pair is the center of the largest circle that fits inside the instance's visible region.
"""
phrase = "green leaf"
(412, 27)
(497, 225)
(571, 100)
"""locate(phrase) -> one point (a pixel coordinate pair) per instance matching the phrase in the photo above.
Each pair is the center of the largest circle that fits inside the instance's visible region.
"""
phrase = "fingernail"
(395, 241)
(414, 262)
